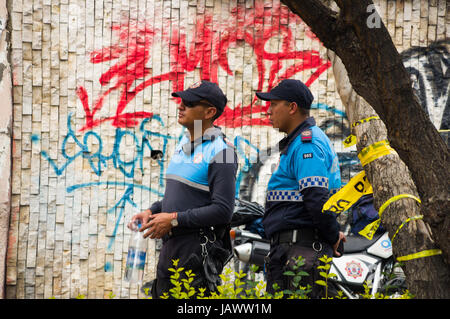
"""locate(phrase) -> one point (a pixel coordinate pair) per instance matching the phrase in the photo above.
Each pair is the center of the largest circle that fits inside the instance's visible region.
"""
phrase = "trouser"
(203, 253)
(282, 257)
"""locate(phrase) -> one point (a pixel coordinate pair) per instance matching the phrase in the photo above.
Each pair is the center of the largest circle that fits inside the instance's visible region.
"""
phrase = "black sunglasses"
(194, 104)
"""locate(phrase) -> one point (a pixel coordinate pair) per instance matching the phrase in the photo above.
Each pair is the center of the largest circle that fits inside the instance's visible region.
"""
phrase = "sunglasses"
(194, 104)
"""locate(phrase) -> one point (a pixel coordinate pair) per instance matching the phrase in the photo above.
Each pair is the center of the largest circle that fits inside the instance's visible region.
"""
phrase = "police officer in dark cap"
(307, 174)
(194, 215)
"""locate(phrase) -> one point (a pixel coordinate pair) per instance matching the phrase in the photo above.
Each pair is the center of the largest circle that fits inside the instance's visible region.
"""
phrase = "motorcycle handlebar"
(240, 233)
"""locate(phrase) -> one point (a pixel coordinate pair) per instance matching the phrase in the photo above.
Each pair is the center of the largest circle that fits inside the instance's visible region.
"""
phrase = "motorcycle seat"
(356, 243)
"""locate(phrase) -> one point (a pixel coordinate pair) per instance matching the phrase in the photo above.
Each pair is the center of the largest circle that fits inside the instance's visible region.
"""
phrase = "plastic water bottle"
(137, 251)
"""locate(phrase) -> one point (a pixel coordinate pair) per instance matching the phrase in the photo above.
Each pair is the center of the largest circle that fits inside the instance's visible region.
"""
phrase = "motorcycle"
(248, 237)
(367, 261)
(364, 261)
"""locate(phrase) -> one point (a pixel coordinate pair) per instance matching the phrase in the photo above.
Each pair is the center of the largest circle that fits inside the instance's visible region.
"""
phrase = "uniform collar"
(283, 145)
(210, 134)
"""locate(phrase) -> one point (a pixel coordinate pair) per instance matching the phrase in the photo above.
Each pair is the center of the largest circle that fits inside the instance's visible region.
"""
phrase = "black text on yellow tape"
(356, 123)
(349, 194)
(349, 141)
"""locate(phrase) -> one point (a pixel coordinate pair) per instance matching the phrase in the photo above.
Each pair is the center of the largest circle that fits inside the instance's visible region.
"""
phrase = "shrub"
(233, 288)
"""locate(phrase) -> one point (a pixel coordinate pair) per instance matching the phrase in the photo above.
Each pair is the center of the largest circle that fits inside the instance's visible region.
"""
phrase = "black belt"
(175, 232)
(292, 236)
(218, 230)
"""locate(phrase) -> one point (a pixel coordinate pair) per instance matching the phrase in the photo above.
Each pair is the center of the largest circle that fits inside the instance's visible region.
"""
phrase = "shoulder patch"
(306, 136)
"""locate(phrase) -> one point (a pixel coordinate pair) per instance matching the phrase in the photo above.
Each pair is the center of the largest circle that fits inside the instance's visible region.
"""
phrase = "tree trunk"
(426, 277)
(377, 74)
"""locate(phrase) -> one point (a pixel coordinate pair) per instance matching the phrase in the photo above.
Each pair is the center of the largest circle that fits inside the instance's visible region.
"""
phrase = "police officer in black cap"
(194, 215)
(307, 174)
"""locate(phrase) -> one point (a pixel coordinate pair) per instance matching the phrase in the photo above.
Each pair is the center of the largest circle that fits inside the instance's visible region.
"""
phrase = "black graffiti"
(430, 74)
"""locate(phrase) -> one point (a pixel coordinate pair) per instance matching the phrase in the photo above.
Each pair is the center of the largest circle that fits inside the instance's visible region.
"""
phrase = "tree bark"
(377, 74)
(426, 277)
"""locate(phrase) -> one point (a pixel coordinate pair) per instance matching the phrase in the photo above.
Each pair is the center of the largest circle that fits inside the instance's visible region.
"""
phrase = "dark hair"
(303, 111)
(218, 112)
(217, 115)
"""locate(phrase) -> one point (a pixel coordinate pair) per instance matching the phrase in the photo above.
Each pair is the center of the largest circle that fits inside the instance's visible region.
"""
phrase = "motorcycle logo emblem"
(354, 269)
(386, 244)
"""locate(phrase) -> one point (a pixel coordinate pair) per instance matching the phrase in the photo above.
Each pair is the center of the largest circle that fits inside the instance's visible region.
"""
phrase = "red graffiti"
(208, 52)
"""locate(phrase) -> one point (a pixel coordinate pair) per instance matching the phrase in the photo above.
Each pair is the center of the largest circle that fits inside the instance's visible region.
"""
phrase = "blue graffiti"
(126, 198)
(332, 109)
(98, 162)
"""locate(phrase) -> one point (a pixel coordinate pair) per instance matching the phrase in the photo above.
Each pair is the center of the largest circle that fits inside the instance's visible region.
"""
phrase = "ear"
(210, 113)
(293, 108)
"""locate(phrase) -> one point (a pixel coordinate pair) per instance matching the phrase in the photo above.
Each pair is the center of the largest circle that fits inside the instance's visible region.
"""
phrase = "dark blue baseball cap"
(204, 90)
(289, 90)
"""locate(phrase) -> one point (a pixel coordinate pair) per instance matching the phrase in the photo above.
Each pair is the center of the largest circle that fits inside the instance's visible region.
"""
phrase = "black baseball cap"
(289, 90)
(204, 90)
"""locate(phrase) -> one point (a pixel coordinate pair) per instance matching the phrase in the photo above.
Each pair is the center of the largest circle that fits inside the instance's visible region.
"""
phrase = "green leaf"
(297, 279)
(321, 282)
(289, 273)
(327, 266)
(323, 274)
(302, 273)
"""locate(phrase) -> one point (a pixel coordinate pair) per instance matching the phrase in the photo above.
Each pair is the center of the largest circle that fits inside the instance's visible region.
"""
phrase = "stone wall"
(91, 101)
(5, 139)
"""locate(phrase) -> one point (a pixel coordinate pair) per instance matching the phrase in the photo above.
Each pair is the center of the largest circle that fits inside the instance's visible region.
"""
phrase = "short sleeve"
(309, 165)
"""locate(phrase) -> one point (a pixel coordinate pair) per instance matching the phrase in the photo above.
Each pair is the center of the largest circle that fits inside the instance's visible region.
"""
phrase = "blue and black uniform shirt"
(307, 174)
(201, 181)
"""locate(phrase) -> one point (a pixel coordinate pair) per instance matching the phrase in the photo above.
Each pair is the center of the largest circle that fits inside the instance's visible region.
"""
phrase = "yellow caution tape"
(349, 194)
(404, 223)
(441, 131)
(365, 120)
(421, 254)
(370, 229)
(395, 198)
(349, 141)
(374, 151)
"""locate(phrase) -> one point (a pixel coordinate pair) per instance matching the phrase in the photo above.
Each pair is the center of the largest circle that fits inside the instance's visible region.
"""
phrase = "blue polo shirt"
(307, 173)
(200, 181)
